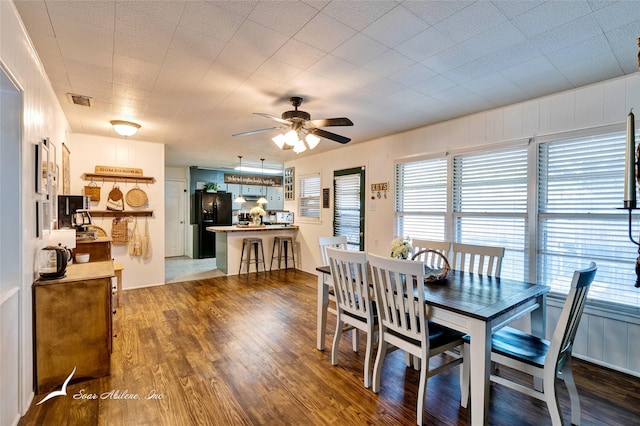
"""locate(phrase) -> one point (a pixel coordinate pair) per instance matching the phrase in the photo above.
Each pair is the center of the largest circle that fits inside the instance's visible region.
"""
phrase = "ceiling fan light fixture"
(125, 128)
(279, 140)
(291, 138)
(299, 147)
(312, 140)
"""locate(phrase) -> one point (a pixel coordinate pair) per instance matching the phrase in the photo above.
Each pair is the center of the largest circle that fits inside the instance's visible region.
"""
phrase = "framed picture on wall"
(42, 163)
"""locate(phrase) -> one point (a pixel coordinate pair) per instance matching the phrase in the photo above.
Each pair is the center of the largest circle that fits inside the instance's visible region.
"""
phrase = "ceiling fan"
(297, 125)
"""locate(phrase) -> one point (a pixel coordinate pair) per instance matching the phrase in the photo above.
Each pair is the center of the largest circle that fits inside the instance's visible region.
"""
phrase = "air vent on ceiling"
(80, 100)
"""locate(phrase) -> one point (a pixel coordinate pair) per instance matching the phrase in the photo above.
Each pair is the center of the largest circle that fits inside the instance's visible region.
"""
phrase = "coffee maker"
(68, 205)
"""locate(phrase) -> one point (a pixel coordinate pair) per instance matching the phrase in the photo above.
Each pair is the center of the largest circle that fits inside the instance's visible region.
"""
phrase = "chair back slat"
(429, 258)
(567, 327)
(483, 260)
(350, 280)
(396, 283)
(324, 242)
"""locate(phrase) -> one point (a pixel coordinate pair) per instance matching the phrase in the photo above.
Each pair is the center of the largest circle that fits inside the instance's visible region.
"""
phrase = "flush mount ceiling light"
(240, 199)
(125, 128)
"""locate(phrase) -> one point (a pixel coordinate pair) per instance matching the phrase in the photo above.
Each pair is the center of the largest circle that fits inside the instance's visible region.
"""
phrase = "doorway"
(175, 217)
(348, 206)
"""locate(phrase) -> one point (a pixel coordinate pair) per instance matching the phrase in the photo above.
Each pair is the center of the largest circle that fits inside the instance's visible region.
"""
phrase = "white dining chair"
(403, 321)
(541, 358)
(341, 243)
(484, 260)
(354, 308)
(421, 252)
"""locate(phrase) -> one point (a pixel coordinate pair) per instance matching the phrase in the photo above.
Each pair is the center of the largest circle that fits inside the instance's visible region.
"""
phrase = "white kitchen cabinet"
(275, 197)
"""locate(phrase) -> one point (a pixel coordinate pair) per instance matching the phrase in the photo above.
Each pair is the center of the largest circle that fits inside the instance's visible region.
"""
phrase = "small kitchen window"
(309, 197)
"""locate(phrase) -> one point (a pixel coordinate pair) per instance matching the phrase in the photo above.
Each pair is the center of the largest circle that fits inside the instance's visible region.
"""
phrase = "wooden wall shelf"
(109, 213)
(114, 178)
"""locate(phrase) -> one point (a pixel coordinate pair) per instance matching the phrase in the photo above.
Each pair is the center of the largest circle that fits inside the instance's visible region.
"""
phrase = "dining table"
(475, 304)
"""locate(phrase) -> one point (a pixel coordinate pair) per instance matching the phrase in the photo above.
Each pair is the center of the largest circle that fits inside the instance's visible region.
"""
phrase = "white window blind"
(347, 208)
(421, 199)
(309, 197)
(581, 184)
(490, 204)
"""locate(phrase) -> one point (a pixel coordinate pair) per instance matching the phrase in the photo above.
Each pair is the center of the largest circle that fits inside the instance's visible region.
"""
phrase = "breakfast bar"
(229, 242)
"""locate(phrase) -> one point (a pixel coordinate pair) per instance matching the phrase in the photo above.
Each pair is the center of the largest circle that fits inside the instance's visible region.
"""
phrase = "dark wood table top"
(477, 296)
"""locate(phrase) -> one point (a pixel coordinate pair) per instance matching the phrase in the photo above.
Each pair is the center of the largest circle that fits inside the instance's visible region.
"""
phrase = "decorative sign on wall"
(118, 171)
(253, 180)
(325, 198)
(379, 190)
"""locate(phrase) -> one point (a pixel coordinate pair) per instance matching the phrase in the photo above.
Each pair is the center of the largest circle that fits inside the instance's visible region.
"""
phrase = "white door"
(175, 193)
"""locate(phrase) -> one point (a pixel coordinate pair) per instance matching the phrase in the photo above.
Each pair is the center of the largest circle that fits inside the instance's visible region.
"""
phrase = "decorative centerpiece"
(401, 248)
(434, 274)
(256, 214)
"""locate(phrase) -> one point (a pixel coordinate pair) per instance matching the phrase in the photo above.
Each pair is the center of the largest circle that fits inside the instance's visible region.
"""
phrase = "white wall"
(88, 151)
(42, 117)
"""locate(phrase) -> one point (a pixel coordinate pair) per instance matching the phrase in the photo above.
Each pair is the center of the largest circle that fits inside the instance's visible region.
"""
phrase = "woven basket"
(431, 274)
(119, 232)
(92, 191)
(136, 197)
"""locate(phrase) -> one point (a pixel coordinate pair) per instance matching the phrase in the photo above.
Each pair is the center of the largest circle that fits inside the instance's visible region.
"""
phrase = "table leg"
(480, 350)
(323, 304)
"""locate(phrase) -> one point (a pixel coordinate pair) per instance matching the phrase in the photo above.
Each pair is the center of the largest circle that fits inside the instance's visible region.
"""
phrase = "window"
(490, 204)
(551, 223)
(421, 199)
(309, 197)
(580, 185)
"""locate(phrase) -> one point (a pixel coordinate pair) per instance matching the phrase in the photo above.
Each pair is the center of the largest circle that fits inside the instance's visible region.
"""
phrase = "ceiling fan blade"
(273, 117)
(326, 122)
(253, 132)
(328, 135)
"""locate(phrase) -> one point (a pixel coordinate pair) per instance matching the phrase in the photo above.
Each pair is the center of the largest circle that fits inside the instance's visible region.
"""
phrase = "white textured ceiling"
(193, 72)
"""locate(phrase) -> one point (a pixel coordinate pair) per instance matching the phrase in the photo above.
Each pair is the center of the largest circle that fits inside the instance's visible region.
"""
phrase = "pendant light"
(240, 199)
(262, 200)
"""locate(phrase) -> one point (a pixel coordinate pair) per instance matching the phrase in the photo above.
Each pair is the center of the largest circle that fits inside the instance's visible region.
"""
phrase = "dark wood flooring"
(241, 351)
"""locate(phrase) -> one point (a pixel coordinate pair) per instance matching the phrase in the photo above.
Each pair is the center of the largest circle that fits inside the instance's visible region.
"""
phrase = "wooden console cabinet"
(73, 325)
(99, 249)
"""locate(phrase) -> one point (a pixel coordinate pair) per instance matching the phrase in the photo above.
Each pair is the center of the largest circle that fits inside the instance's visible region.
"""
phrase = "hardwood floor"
(241, 351)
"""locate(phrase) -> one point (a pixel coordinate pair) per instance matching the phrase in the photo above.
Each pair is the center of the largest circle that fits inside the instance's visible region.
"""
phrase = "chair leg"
(567, 376)
(464, 376)
(367, 359)
(551, 398)
(377, 367)
(336, 341)
(355, 339)
(422, 387)
(408, 359)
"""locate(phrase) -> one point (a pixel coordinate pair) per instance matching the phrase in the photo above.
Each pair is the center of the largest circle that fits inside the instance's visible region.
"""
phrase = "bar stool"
(255, 244)
(283, 243)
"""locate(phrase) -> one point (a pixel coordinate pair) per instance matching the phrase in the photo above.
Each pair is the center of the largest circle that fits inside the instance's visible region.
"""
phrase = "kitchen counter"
(229, 243)
(244, 228)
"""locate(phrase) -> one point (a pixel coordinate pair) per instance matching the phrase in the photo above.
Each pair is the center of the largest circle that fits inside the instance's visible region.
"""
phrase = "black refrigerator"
(210, 209)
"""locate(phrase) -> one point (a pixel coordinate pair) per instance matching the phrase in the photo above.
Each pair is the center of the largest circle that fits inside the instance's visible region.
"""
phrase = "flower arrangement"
(256, 212)
(400, 248)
